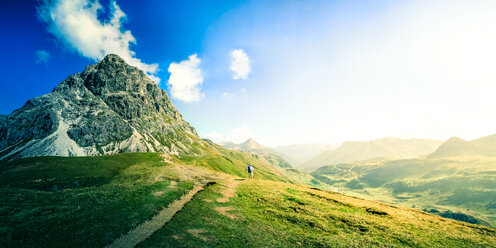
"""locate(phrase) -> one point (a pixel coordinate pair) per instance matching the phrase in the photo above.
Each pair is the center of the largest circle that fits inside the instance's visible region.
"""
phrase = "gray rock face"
(110, 107)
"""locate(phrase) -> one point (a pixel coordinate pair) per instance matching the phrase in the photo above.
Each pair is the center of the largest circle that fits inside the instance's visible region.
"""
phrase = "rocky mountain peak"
(110, 107)
(113, 75)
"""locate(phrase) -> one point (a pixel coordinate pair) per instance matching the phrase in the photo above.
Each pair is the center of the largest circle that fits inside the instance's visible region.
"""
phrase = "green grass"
(43, 168)
(235, 163)
(272, 214)
(80, 202)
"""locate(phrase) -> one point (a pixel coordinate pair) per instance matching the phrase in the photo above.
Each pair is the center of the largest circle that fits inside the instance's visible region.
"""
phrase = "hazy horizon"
(281, 72)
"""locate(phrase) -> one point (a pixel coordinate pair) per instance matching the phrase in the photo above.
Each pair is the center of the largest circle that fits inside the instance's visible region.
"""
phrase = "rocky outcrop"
(110, 107)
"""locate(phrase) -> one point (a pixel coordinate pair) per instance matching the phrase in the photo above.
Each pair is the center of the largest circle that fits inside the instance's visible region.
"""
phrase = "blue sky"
(281, 72)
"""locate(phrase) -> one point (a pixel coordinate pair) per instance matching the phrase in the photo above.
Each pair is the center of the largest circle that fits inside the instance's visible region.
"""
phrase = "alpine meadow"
(247, 123)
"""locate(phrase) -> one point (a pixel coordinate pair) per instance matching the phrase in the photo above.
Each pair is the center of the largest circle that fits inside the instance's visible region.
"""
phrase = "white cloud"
(236, 135)
(185, 79)
(76, 23)
(42, 56)
(240, 64)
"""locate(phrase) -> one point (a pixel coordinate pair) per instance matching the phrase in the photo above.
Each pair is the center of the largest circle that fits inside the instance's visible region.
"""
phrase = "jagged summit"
(108, 108)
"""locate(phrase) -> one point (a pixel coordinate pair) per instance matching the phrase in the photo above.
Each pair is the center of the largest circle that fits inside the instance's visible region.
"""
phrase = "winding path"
(146, 229)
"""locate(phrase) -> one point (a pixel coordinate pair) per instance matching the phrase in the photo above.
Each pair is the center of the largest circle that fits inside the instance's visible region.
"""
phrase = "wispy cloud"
(77, 24)
(240, 64)
(185, 79)
(42, 56)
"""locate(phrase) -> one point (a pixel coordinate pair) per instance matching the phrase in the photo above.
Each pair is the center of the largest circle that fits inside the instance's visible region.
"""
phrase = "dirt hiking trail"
(203, 179)
(146, 229)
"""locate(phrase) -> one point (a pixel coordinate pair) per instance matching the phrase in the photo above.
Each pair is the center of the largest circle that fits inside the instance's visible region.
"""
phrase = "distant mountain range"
(110, 107)
(386, 148)
(348, 152)
(485, 146)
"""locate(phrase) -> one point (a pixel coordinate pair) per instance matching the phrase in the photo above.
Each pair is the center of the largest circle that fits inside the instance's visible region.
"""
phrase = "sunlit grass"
(271, 214)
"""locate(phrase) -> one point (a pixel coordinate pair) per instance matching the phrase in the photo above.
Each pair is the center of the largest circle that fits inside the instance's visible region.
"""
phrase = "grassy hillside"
(233, 162)
(267, 166)
(272, 214)
(387, 148)
(91, 201)
(81, 202)
(457, 187)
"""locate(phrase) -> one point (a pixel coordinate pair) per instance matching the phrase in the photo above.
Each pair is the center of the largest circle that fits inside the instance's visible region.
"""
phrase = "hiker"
(250, 171)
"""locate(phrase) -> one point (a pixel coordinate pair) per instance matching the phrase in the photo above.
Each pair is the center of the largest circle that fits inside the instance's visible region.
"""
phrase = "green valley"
(458, 187)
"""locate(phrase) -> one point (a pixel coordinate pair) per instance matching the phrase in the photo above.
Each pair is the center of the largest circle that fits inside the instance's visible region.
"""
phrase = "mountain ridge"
(385, 148)
(484, 146)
